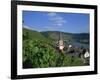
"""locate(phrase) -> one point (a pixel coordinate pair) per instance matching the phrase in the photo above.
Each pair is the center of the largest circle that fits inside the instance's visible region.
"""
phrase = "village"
(73, 51)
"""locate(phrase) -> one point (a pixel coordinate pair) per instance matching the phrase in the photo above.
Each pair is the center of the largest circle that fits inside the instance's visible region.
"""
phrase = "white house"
(86, 55)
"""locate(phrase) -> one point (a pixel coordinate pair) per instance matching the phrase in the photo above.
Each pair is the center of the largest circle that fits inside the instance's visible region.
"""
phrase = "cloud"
(52, 14)
(56, 19)
(31, 28)
(27, 27)
(36, 28)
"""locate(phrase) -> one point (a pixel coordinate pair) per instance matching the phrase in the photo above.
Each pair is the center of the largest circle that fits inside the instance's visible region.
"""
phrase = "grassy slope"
(34, 35)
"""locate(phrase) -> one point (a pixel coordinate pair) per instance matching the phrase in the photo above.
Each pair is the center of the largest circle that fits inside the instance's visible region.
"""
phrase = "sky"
(56, 21)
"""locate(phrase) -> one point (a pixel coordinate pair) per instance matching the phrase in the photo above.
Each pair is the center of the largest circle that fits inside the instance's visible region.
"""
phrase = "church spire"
(61, 44)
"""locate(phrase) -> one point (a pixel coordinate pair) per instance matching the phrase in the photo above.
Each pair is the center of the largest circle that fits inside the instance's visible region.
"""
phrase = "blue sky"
(56, 21)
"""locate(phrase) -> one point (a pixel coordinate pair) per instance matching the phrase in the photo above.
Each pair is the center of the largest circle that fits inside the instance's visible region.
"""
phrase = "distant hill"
(54, 35)
(82, 37)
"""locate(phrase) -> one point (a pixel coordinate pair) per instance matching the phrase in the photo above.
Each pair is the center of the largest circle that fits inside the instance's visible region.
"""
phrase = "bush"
(38, 54)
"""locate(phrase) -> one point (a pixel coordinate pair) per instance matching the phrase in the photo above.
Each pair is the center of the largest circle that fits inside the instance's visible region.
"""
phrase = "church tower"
(61, 43)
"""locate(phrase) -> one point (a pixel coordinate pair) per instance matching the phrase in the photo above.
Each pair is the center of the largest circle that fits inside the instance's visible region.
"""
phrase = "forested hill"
(80, 37)
(54, 35)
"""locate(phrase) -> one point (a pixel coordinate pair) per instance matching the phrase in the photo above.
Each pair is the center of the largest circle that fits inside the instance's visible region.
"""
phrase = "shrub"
(38, 54)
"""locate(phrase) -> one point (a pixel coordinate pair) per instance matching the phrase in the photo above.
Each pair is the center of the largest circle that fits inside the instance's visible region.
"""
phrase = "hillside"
(34, 35)
(40, 50)
(50, 36)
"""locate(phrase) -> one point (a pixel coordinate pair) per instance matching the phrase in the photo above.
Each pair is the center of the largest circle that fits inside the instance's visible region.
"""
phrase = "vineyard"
(39, 52)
